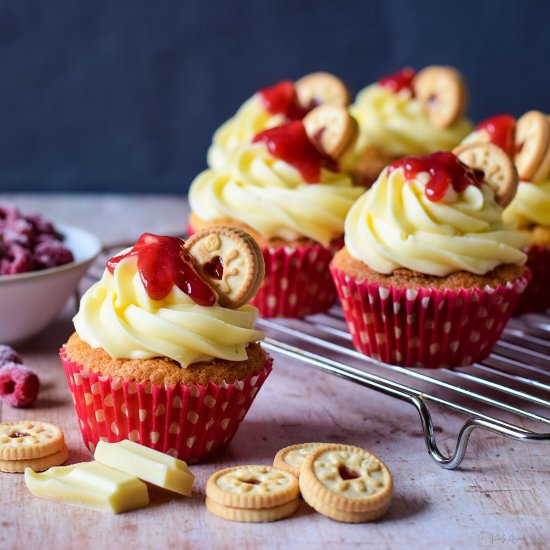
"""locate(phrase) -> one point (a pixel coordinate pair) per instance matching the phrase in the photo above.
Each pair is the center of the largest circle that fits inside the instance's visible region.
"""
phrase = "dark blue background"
(125, 96)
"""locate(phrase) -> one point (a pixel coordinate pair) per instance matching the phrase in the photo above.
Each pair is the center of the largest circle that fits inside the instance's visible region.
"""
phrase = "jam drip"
(502, 132)
(401, 80)
(214, 268)
(291, 143)
(445, 170)
(281, 99)
(164, 262)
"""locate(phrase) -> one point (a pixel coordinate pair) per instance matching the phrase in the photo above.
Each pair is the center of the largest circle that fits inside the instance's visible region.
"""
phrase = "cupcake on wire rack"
(430, 273)
(286, 189)
(527, 141)
(407, 113)
(165, 352)
(275, 105)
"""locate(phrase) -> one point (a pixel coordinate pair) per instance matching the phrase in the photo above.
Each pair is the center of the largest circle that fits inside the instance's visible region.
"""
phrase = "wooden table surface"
(498, 498)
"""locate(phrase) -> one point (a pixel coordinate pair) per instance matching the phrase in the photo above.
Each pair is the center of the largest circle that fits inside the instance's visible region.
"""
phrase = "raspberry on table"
(19, 385)
(9, 355)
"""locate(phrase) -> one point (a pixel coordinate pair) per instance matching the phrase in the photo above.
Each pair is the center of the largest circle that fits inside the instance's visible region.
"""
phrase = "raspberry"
(19, 232)
(51, 254)
(8, 212)
(46, 238)
(19, 385)
(19, 261)
(8, 355)
(29, 242)
(40, 224)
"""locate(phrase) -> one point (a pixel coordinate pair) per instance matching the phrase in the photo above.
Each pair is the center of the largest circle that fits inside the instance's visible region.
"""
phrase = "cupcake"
(430, 273)
(285, 188)
(165, 353)
(273, 106)
(406, 114)
(527, 142)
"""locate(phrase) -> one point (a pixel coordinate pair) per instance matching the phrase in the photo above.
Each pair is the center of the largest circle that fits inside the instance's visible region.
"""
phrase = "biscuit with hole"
(442, 93)
(321, 88)
(29, 439)
(35, 464)
(230, 260)
(252, 487)
(253, 515)
(497, 167)
(341, 479)
(331, 129)
(532, 143)
(543, 170)
(290, 458)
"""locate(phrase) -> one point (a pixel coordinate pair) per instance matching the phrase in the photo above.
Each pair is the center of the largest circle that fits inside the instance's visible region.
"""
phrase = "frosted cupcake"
(273, 106)
(286, 189)
(527, 142)
(156, 357)
(430, 273)
(404, 114)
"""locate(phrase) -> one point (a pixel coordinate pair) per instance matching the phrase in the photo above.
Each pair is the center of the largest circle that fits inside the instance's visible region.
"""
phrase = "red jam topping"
(291, 143)
(164, 262)
(214, 268)
(445, 170)
(401, 80)
(281, 99)
(502, 132)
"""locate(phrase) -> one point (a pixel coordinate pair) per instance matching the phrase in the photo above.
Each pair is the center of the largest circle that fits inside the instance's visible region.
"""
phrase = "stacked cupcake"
(273, 106)
(407, 113)
(527, 142)
(430, 273)
(165, 353)
(285, 187)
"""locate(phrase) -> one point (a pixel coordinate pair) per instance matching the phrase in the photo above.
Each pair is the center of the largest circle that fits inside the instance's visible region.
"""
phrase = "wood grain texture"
(498, 498)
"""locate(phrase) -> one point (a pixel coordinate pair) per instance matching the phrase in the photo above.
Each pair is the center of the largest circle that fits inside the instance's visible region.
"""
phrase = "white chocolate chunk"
(152, 466)
(91, 485)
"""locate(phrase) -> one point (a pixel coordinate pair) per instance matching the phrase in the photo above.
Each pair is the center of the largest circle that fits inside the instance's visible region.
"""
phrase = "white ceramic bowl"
(29, 301)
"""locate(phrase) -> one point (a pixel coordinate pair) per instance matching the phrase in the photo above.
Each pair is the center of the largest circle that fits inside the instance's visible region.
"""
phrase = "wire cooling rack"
(508, 393)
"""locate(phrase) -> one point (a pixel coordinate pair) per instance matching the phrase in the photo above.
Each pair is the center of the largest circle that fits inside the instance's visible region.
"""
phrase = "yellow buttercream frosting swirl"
(395, 225)
(118, 315)
(249, 120)
(271, 196)
(531, 205)
(397, 124)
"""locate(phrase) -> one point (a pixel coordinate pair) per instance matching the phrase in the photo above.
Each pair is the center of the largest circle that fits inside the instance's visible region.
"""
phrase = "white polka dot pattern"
(174, 428)
(188, 422)
(297, 281)
(425, 328)
(193, 417)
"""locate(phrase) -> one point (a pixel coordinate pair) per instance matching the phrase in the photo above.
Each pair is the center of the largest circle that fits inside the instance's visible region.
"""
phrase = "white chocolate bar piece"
(91, 485)
(152, 466)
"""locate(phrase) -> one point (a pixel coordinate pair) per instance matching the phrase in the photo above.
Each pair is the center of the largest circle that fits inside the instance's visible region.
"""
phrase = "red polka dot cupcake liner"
(297, 281)
(425, 328)
(537, 295)
(192, 423)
